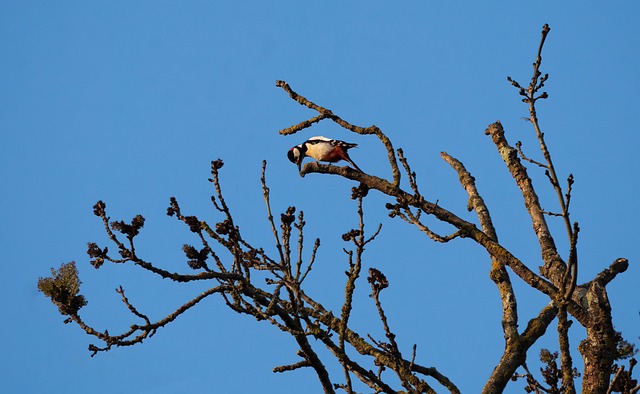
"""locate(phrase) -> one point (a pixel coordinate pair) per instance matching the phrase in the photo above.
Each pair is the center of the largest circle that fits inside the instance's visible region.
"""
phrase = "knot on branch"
(394, 209)
(193, 223)
(96, 254)
(223, 228)
(289, 216)
(130, 230)
(174, 208)
(250, 258)
(197, 258)
(377, 280)
(99, 208)
(94, 349)
(351, 235)
(217, 164)
(359, 192)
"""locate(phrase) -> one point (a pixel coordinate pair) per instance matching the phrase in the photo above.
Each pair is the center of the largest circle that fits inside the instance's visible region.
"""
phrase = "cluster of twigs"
(282, 301)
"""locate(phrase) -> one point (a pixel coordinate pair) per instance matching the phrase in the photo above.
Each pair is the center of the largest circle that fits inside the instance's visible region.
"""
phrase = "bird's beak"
(300, 164)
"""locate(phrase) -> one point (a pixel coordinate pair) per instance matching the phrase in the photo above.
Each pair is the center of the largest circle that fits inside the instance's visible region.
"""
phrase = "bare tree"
(229, 261)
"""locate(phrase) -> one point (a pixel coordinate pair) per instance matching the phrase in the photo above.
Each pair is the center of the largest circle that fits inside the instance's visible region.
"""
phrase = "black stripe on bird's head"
(296, 154)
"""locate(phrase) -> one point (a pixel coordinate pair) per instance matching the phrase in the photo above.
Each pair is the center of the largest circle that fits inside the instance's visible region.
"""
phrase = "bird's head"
(295, 155)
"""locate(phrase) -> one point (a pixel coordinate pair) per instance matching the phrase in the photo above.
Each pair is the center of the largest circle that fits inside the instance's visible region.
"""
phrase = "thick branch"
(608, 274)
(554, 267)
(516, 354)
(475, 200)
(566, 363)
(469, 229)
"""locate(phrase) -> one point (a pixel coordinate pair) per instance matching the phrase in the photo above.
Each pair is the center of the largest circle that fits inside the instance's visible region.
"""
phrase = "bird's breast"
(325, 152)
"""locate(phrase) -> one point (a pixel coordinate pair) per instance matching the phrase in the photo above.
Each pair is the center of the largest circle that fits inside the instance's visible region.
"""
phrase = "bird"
(322, 149)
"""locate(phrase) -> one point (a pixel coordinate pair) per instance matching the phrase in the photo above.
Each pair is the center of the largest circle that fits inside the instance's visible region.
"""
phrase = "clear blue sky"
(129, 102)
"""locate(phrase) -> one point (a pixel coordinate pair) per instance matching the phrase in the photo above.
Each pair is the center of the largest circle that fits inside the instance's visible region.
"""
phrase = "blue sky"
(129, 102)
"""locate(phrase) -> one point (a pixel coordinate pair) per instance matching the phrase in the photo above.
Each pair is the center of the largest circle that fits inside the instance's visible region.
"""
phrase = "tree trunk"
(599, 348)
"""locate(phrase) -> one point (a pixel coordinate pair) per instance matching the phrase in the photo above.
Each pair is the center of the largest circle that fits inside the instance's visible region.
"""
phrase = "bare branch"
(565, 352)
(554, 266)
(292, 367)
(327, 114)
(407, 215)
(608, 274)
(413, 181)
(516, 352)
(537, 82)
(468, 229)
(571, 275)
(131, 308)
(525, 158)
(125, 339)
(305, 124)
(622, 381)
(357, 236)
(300, 227)
(313, 258)
(432, 372)
(476, 202)
(265, 192)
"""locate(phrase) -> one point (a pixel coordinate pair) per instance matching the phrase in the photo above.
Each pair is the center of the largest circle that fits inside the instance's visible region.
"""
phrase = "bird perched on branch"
(322, 149)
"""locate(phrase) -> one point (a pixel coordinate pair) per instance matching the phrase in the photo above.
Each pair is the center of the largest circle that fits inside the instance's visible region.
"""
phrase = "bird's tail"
(348, 159)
